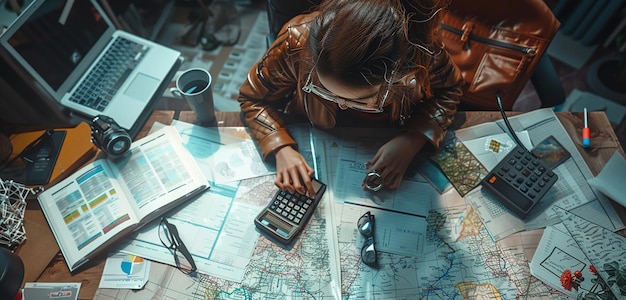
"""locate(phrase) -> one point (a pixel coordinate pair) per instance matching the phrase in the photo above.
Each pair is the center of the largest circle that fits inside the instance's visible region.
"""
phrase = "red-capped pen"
(586, 132)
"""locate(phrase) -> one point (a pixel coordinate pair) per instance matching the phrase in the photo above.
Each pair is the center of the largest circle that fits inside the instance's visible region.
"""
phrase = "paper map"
(460, 259)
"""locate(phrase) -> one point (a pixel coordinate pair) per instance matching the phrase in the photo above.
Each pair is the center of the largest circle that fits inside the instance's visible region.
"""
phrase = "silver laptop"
(73, 52)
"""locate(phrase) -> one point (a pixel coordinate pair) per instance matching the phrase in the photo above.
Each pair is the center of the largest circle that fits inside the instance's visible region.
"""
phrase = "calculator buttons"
(286, 214)
(519, 181)
(291, 206)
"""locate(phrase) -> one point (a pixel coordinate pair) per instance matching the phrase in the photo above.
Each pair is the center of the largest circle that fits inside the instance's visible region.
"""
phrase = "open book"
(108, 199)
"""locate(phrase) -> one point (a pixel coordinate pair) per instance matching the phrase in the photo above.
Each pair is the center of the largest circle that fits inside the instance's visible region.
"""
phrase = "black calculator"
(287, 213)
(519, 180)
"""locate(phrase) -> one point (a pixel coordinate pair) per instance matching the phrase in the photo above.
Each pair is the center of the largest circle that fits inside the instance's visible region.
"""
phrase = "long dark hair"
(365, 42)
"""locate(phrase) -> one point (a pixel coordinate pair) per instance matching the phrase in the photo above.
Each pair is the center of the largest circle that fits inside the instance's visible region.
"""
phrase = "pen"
(586, 141)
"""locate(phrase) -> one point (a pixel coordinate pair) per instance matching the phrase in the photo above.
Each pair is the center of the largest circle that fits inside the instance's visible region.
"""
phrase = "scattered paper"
(557, 252)
(227, 153)
(610, 181)
(401, 215)
(239, 161)
(490, 150)
(605, 249)
(125, 271)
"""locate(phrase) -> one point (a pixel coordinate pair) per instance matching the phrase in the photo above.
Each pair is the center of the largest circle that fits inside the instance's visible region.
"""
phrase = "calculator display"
(275, 223)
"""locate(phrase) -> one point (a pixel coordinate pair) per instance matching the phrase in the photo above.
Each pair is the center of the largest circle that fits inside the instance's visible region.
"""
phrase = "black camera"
(107, 135)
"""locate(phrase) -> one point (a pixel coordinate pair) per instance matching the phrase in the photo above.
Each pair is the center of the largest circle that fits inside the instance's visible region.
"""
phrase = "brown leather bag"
(496, 44)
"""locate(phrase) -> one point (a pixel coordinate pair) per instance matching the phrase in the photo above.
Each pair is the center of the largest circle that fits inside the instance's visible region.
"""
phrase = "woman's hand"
(292, 172)
(394, 157)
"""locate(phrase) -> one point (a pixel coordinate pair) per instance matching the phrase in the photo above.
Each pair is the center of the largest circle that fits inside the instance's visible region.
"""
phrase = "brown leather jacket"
(274, 87)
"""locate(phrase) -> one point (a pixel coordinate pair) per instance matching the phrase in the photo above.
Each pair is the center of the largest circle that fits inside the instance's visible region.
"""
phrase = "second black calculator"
(287, 214)
(519, 181)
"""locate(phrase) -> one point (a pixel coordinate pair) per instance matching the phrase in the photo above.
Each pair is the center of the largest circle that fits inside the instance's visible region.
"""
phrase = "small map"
(461, 167)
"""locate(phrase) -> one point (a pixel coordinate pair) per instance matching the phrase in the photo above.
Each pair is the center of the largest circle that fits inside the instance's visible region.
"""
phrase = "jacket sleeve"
(435, 114)
(269, 81)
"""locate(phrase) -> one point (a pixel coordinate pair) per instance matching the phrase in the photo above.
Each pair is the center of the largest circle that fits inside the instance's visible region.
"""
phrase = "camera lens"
(107, 135)
(118, 144)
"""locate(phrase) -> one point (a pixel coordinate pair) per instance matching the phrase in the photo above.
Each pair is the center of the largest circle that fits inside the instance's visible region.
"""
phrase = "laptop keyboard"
(109, 73)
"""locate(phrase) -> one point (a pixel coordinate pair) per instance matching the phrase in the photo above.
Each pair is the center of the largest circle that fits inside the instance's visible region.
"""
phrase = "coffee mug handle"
(176, 92)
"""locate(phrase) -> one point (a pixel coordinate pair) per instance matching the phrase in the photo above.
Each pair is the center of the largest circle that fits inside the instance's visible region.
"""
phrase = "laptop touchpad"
(142, 87)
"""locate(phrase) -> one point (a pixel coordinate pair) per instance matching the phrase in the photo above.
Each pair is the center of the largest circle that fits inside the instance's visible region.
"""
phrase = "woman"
(354, 62)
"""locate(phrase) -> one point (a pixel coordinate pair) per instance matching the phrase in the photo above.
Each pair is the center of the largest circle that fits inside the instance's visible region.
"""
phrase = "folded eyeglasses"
(368, 251)
(168, 234)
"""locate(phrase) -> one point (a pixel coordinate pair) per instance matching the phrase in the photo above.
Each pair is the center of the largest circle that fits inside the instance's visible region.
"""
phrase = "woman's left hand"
(394, 157)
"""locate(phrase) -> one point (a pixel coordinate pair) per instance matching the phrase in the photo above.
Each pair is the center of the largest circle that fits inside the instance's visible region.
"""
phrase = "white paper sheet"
(124, 271)
(610, 181)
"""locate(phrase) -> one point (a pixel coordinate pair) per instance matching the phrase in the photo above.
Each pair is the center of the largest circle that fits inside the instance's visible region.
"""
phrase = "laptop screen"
(56, 38)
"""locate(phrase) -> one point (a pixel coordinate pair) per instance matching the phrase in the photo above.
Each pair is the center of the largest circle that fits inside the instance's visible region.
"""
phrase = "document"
(238, 161)
(227, 153)
(611, 179)
(457, 258)
(401, 214)
(488, 154)
(605, 250)
(106, 200)
(124, 271)
(571, 192)
(557, 251)
(460, 166)
(394, 233)
(411, 197)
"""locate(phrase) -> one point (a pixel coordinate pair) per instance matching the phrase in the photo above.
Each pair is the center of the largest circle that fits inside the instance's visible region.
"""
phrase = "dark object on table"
(107, 135)
(11, 273)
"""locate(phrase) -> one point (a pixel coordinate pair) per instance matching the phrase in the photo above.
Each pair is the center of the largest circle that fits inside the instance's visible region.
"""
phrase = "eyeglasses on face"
(310, 87)
(168, 234)
(365, 224)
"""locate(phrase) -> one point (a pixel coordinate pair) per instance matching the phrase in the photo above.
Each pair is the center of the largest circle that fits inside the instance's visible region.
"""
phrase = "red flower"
(578, 274)
(592, 269)
(566, 280)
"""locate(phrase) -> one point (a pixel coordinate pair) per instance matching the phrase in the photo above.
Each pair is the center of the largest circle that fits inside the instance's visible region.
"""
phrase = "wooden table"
(604, 144)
